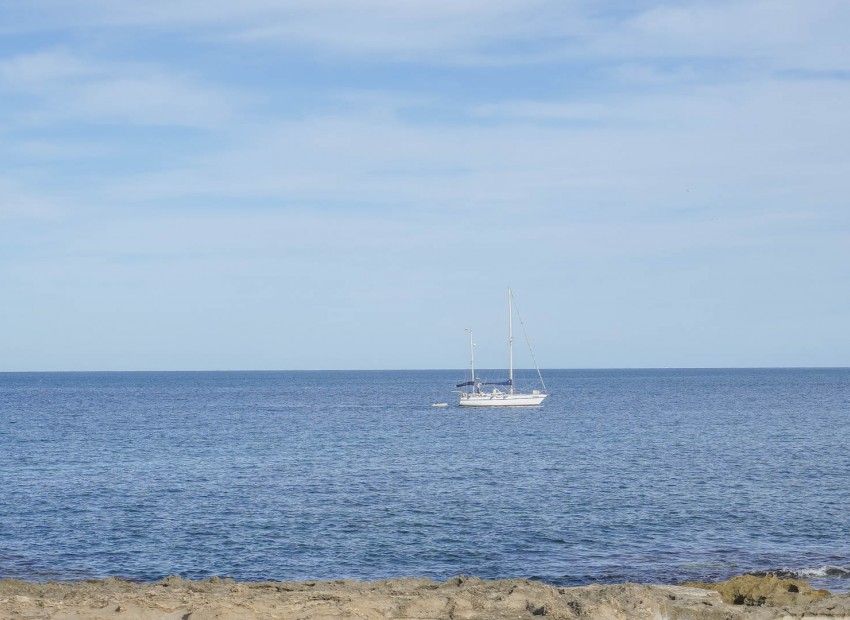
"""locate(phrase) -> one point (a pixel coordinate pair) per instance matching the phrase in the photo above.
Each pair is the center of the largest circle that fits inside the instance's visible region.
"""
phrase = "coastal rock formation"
(460, 598)
(766, 590)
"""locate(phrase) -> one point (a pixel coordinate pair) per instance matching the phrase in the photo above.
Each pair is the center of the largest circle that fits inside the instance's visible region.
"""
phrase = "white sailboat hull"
(501, 399)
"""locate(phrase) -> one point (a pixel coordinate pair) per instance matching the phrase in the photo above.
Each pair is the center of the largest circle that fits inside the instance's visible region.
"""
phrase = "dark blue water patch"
(633, 475)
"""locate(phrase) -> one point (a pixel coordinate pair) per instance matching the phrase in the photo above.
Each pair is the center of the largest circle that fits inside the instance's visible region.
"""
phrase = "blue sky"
(334, 184)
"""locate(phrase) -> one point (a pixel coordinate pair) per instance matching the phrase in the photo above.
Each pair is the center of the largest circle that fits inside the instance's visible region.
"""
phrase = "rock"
(172, 581)
(463, 598)
(766, 590)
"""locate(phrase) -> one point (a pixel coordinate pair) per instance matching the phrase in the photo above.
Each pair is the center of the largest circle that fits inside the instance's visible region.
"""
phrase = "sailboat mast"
(471, 358)
(510, 342)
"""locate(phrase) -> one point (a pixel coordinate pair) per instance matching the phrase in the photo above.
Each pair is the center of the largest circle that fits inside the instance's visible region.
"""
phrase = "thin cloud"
(547, 111)
(38, 71)
(506, 31)
(64, 86)
(775, 34)
(19, 203)
(149, 100)
(45, 150)
(786, 134)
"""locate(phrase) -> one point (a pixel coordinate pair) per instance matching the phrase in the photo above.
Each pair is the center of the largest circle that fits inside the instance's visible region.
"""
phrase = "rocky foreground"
(460, 598)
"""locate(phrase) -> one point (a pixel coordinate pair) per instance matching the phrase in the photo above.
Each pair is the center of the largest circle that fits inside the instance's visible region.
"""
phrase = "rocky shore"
(745, 597)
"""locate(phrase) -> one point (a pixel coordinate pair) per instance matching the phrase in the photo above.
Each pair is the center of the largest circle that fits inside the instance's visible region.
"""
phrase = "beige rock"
(460, 598)
(769, 590)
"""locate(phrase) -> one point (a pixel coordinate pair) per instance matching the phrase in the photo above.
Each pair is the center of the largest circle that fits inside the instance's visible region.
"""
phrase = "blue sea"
(654, 476)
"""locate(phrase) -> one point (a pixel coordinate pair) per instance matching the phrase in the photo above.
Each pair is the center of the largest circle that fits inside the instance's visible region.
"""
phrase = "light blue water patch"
(647, 476)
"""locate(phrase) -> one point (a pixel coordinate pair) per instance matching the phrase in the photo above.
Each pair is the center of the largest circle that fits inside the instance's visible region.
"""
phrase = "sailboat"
(478, 396)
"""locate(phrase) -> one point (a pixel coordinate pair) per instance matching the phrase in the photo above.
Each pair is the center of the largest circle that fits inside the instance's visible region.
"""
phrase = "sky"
(337, 184)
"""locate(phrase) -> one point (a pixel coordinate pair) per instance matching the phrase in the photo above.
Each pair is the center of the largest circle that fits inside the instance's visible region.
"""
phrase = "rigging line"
(528, 342)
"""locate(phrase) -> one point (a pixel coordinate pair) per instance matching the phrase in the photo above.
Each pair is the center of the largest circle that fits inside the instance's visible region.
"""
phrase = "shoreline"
(461, 597)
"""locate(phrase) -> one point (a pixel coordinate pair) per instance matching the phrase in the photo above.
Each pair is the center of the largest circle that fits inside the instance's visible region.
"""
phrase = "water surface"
(647, 476)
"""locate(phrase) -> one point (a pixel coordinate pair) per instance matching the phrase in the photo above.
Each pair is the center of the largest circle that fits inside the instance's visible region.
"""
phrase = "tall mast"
(510, 342)
(471, 358)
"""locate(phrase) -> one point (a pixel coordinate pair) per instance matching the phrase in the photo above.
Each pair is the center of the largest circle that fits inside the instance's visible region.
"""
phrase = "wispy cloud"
(20, 203)
(372, 26)
(38, 71)
(65, 86)
(542, 154)
(757, 30)
(511, 30)
(150, 100)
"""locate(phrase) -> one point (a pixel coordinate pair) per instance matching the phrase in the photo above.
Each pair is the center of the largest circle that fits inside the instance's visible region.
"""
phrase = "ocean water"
(633, 475)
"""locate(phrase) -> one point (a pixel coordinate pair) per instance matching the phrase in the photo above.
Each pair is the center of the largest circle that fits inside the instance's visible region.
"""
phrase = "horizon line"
(591, 368)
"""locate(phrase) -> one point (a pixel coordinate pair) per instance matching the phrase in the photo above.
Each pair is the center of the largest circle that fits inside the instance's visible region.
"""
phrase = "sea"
(649, 476)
